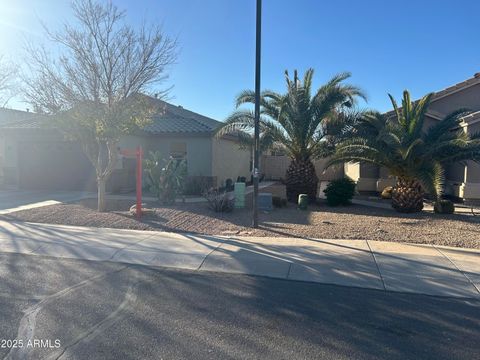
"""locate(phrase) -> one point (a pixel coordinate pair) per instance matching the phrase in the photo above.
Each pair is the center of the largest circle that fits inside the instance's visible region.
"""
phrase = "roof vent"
(181, 107)
(477, 75)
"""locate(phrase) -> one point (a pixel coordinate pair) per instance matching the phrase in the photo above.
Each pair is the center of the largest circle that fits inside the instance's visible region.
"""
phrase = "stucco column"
(366, 175)
(470, 189)
(369, 175)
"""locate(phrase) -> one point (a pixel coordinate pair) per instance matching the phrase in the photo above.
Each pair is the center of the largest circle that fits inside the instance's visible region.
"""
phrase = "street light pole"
(257, 113)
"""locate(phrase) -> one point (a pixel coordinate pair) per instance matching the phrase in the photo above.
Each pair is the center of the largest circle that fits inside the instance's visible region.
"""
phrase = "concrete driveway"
(15, 200)
(385, 266)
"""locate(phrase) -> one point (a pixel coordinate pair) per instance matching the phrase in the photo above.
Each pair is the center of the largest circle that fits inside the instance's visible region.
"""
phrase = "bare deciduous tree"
(94, 85)
(8, 74)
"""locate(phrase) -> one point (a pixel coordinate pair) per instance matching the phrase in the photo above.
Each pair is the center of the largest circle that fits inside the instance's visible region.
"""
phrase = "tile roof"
(176, 119)
(170, 119)
(18, 119)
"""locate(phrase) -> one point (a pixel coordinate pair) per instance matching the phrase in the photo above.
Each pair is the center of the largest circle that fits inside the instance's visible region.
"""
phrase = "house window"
(178, 150)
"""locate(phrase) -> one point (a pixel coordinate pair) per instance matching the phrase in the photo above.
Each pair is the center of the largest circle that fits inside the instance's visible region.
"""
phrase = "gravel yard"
(320, 221)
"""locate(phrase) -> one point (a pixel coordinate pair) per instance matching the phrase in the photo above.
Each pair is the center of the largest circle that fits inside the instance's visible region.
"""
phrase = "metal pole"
(139, 182)
(257, 113)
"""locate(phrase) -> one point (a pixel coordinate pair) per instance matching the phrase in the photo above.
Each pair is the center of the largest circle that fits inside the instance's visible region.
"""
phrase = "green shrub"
(279, 202)
(444, 207)
(340, 192)
(165, 178)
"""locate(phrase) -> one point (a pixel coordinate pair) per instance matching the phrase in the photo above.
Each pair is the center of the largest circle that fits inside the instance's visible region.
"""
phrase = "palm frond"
(403, 146)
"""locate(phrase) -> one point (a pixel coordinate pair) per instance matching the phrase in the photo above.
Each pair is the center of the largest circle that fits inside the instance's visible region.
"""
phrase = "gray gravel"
(321, 221)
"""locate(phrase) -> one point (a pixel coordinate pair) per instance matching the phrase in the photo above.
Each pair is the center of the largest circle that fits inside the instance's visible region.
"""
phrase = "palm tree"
(306, 125)
(413, 153)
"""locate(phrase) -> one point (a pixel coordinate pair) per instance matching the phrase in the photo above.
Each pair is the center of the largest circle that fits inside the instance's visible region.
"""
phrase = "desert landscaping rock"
(321, 221)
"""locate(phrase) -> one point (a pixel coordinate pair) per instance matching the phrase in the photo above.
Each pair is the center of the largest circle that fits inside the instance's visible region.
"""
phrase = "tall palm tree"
(413, 153)
(306, 125)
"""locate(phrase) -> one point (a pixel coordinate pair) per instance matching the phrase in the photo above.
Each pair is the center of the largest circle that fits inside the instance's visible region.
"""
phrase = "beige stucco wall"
(332, 173)
(473, 169)
(132, 141)
(366, 175)
(467, 98)
(229, 161)
(199, 151)
(352, 170)
(2, 158)
(9, 143)
(275, 168)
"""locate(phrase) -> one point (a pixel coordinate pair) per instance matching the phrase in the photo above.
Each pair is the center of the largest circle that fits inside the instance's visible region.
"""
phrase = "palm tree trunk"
(301, 178)
(407, 195)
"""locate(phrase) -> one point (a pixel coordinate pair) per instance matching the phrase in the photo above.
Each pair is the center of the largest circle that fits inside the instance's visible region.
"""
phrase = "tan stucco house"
(463, 181)
(36, 156)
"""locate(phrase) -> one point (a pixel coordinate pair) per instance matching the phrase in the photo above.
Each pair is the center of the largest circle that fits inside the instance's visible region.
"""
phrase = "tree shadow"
(183, 314)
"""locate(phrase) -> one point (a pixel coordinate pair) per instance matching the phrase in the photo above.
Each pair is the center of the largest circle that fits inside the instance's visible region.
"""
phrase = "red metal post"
(139, 182)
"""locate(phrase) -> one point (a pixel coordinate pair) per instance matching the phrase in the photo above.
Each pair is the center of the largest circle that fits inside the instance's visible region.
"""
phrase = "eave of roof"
(457, 87)
(170, 120)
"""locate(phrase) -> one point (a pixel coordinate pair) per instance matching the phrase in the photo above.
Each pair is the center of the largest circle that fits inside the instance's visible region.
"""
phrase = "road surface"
(78, 309)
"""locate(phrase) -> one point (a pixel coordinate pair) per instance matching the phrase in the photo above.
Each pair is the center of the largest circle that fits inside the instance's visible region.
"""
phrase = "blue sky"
(388, 46)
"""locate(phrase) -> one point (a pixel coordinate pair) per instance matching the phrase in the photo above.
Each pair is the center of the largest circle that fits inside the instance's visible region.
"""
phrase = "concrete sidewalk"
(422, 269)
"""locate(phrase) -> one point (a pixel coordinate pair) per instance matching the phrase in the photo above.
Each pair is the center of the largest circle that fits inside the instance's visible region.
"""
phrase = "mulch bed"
(320, 221)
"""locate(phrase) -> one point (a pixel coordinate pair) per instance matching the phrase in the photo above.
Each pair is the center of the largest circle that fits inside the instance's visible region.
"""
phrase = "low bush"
(340, 192)
(444, 207)
(219, 201)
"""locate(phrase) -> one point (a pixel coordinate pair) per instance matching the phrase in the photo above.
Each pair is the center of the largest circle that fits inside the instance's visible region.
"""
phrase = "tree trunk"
(102, 206)
(407, 195)
(301, 178)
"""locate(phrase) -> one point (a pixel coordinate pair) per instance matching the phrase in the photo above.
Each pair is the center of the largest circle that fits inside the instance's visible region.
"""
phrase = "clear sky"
(422, 45)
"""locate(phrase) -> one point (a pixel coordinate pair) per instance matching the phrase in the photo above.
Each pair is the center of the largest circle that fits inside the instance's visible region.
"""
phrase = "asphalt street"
(77, 309)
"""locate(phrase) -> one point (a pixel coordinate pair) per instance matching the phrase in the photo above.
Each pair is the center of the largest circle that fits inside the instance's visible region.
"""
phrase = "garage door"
(54, 165)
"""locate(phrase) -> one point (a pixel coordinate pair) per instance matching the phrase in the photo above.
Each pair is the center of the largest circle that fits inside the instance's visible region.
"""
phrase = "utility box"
(239, 191)
(265, 202)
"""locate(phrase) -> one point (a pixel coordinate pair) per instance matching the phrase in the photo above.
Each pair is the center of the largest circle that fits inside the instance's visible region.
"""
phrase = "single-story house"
(463, 181)
(34, 155)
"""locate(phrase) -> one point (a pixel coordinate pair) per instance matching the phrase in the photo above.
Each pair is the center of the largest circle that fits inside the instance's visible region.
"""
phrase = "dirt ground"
(320, 221)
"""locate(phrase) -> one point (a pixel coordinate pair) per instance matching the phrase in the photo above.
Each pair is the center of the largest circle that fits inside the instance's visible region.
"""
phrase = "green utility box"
(239, 191)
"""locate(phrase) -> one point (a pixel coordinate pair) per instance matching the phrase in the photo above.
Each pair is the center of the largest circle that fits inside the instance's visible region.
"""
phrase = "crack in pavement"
(26, 328)
(130, 245)
(96, 329)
